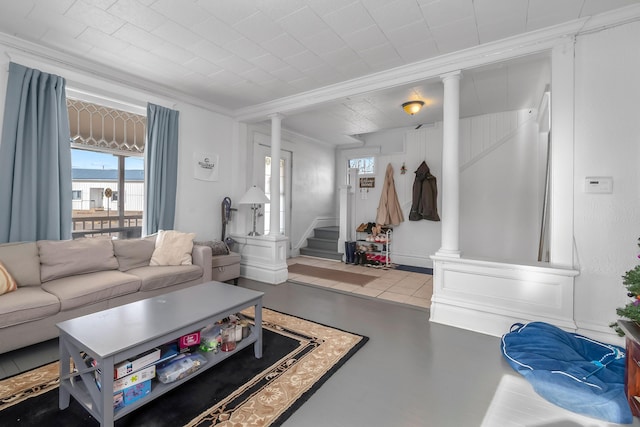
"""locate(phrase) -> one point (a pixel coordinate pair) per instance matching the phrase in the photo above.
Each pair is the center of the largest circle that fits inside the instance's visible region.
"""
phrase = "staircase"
(323, 244)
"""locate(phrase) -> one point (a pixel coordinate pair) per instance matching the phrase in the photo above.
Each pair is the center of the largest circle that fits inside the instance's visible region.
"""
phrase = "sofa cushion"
(22, 262)
(218, 247)
(84, 289)
(70, 257)
(162, 276)
(173, 248)
(7, 283)
(133, 253)
(26, 304)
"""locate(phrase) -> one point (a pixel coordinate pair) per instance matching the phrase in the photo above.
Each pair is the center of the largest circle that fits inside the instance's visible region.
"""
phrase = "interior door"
(262, 172)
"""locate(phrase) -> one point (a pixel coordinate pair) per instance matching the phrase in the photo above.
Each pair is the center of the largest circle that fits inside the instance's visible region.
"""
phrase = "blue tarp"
(572, 371)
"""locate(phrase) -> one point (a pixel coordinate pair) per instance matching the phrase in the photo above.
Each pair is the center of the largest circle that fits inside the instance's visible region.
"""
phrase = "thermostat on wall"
(598, 184)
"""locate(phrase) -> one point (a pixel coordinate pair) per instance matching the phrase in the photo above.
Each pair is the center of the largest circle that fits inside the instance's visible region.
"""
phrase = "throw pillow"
(7, 284)
(172, 248)
(133, 253)
(218, 247)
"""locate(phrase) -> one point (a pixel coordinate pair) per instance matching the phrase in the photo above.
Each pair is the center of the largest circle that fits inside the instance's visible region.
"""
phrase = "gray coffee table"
(116, 334)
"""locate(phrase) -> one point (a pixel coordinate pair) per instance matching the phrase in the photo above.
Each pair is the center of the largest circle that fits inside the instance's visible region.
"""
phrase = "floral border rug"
(299, 354)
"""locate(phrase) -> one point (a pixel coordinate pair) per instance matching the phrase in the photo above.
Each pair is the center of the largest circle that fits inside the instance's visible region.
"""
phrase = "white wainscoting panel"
(488, 296)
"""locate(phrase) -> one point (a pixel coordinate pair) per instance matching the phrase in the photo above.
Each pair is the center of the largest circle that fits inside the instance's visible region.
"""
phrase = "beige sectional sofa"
(59, 280)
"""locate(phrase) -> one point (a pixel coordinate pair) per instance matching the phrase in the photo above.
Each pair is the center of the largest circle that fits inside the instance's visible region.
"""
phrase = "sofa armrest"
(201, 255)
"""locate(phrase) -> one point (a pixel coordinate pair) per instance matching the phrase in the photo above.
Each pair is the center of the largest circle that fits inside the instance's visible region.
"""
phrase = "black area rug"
(298, 356)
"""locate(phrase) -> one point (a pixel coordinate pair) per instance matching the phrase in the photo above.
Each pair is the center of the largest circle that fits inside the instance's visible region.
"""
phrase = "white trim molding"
(488, 296)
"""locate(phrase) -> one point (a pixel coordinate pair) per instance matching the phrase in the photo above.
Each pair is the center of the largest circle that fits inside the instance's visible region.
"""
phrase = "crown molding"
(36, 52)
(513, 47)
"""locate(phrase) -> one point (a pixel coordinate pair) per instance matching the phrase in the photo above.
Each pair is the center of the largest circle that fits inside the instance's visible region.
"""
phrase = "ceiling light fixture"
(412, 107)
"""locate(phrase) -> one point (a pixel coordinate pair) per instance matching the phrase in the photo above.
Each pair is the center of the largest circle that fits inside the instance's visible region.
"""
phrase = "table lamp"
(254, 197)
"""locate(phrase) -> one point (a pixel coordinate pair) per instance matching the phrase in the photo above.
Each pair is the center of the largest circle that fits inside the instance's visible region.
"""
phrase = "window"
(107, 156)
(267, 186)
(365, 165)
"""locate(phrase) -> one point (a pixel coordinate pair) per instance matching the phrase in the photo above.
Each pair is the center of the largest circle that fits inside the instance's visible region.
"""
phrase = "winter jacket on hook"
(425, 196)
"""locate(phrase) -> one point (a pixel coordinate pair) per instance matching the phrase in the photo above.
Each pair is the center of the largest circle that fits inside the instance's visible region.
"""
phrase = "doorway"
(262, 168)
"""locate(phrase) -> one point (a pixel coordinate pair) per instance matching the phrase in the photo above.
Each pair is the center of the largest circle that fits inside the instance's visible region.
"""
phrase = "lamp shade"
(412, 107)
(254, 195)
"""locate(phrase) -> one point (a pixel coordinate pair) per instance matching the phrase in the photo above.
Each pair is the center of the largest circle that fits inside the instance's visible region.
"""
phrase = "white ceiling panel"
(56, 21)
(409, 34)
(302, 22)
(366, 38)
(283, 46)
(186, 16)
(441, 12)
(209, 51)
(455, 36)
(93, 36)
(176, 33)
(230, 12)
(277, 9)
(95, 17)
(324, 7)
(216, 31)
(418, 50)
(137, 14)
(351, 18)
(323, 42)
(489, 12)
(245, 48)
(396, 14)
(245, 54)
(258, 27)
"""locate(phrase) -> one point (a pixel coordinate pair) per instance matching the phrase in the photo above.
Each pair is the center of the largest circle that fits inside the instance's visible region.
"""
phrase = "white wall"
(500, 194)
(198, 203)
(607, 143)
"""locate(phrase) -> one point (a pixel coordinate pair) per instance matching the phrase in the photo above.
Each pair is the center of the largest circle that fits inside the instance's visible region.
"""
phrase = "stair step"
(318, 243)
(332, 232)
(320, 253)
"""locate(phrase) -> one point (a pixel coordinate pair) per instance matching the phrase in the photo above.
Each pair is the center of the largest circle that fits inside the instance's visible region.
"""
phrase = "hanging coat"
(389, 210)
(425, 196)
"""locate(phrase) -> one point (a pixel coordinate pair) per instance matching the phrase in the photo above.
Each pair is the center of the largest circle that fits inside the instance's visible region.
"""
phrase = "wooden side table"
(632, 377)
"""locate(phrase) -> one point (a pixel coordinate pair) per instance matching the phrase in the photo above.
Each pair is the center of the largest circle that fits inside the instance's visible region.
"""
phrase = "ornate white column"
(450, 189)
(276, 141)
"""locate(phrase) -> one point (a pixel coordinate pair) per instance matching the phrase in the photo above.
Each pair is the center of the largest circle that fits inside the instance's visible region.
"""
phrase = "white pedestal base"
(263, 258)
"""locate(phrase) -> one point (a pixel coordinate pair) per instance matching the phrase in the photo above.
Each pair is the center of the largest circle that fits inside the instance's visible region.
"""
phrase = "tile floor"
(399, 286)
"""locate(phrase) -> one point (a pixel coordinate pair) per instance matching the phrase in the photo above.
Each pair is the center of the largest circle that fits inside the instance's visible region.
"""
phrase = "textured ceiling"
(241, 53)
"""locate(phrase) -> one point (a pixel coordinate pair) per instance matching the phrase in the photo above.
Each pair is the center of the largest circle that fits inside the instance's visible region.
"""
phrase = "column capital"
(276, 116)
(452, 75)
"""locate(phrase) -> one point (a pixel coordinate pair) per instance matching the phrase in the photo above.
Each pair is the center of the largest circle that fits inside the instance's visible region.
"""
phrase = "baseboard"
(265, 274)
(488, 296)
(484, 321)
(411, 259)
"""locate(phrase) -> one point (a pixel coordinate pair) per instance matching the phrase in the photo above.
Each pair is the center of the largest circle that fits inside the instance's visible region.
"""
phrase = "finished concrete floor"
(411, 372)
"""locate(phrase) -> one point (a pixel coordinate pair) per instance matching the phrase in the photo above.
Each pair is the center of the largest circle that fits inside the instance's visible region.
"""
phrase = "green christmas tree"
(631, 311)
